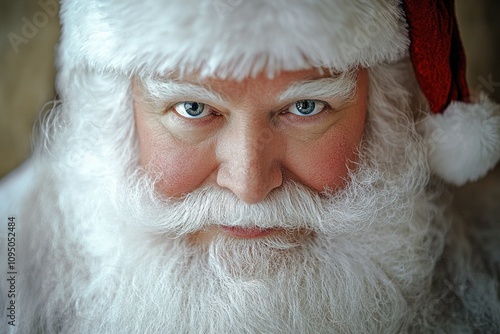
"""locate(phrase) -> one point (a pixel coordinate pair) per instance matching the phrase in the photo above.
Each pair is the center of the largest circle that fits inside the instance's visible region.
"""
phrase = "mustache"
(291, 206)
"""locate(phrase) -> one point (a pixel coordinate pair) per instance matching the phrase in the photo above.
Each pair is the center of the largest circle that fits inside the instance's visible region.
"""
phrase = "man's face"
(249, 136)
(246, 158)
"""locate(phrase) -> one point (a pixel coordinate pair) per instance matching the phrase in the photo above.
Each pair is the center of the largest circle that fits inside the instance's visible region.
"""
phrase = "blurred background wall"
(28, 35)
(29, 32)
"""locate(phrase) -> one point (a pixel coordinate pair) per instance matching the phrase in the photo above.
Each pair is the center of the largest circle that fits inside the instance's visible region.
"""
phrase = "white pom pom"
(464, 141)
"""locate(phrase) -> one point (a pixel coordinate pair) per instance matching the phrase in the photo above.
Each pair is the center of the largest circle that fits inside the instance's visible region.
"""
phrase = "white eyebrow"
(158, 91)
(342, 87)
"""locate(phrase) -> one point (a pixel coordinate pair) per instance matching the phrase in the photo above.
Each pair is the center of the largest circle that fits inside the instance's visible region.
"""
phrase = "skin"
(250, 142)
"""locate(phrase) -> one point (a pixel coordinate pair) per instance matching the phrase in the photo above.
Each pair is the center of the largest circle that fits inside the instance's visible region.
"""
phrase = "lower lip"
(246, 233)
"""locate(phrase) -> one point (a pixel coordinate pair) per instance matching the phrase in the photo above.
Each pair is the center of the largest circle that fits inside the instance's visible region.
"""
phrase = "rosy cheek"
(182, 169)
(332, 173)
(326, 162)
(322, 168)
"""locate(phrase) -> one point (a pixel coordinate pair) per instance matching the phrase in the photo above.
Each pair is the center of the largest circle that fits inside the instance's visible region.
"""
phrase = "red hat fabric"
(436, 51)
(463, 133)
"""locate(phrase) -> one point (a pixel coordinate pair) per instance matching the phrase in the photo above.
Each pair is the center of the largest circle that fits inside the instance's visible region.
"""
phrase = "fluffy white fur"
(464, 141)
(213, 36)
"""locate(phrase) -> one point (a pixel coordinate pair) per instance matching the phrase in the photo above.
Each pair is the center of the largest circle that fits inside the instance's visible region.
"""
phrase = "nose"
(249, 162)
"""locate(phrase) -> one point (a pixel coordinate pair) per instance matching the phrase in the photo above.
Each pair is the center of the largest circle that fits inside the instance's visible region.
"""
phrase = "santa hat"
(236, 38)
(463, 133)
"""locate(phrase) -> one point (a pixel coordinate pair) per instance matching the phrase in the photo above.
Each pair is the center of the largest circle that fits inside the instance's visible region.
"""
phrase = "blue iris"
(305, 107)
(194, 108)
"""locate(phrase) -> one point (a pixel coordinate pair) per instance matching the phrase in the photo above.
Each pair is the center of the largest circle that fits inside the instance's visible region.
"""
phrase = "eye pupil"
(194, 108)
(305, 106)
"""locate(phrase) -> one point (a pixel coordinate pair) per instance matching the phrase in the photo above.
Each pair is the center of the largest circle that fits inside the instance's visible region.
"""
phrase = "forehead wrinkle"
(341, 87)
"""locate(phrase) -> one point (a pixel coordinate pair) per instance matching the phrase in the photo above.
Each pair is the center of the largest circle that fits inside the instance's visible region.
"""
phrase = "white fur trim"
(464, 141)
(230, 38)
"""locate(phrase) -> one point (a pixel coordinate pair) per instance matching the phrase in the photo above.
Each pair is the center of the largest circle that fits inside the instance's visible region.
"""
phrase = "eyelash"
(327, 108)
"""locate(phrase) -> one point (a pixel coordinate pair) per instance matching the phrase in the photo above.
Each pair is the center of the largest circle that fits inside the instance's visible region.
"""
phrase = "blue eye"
(192, 109)
(306, 107)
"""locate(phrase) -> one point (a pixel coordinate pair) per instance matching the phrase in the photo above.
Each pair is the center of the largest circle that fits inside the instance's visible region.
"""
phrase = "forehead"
(262, 81)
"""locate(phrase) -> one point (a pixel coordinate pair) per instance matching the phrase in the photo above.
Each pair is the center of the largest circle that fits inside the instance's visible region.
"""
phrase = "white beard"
(122, 260)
